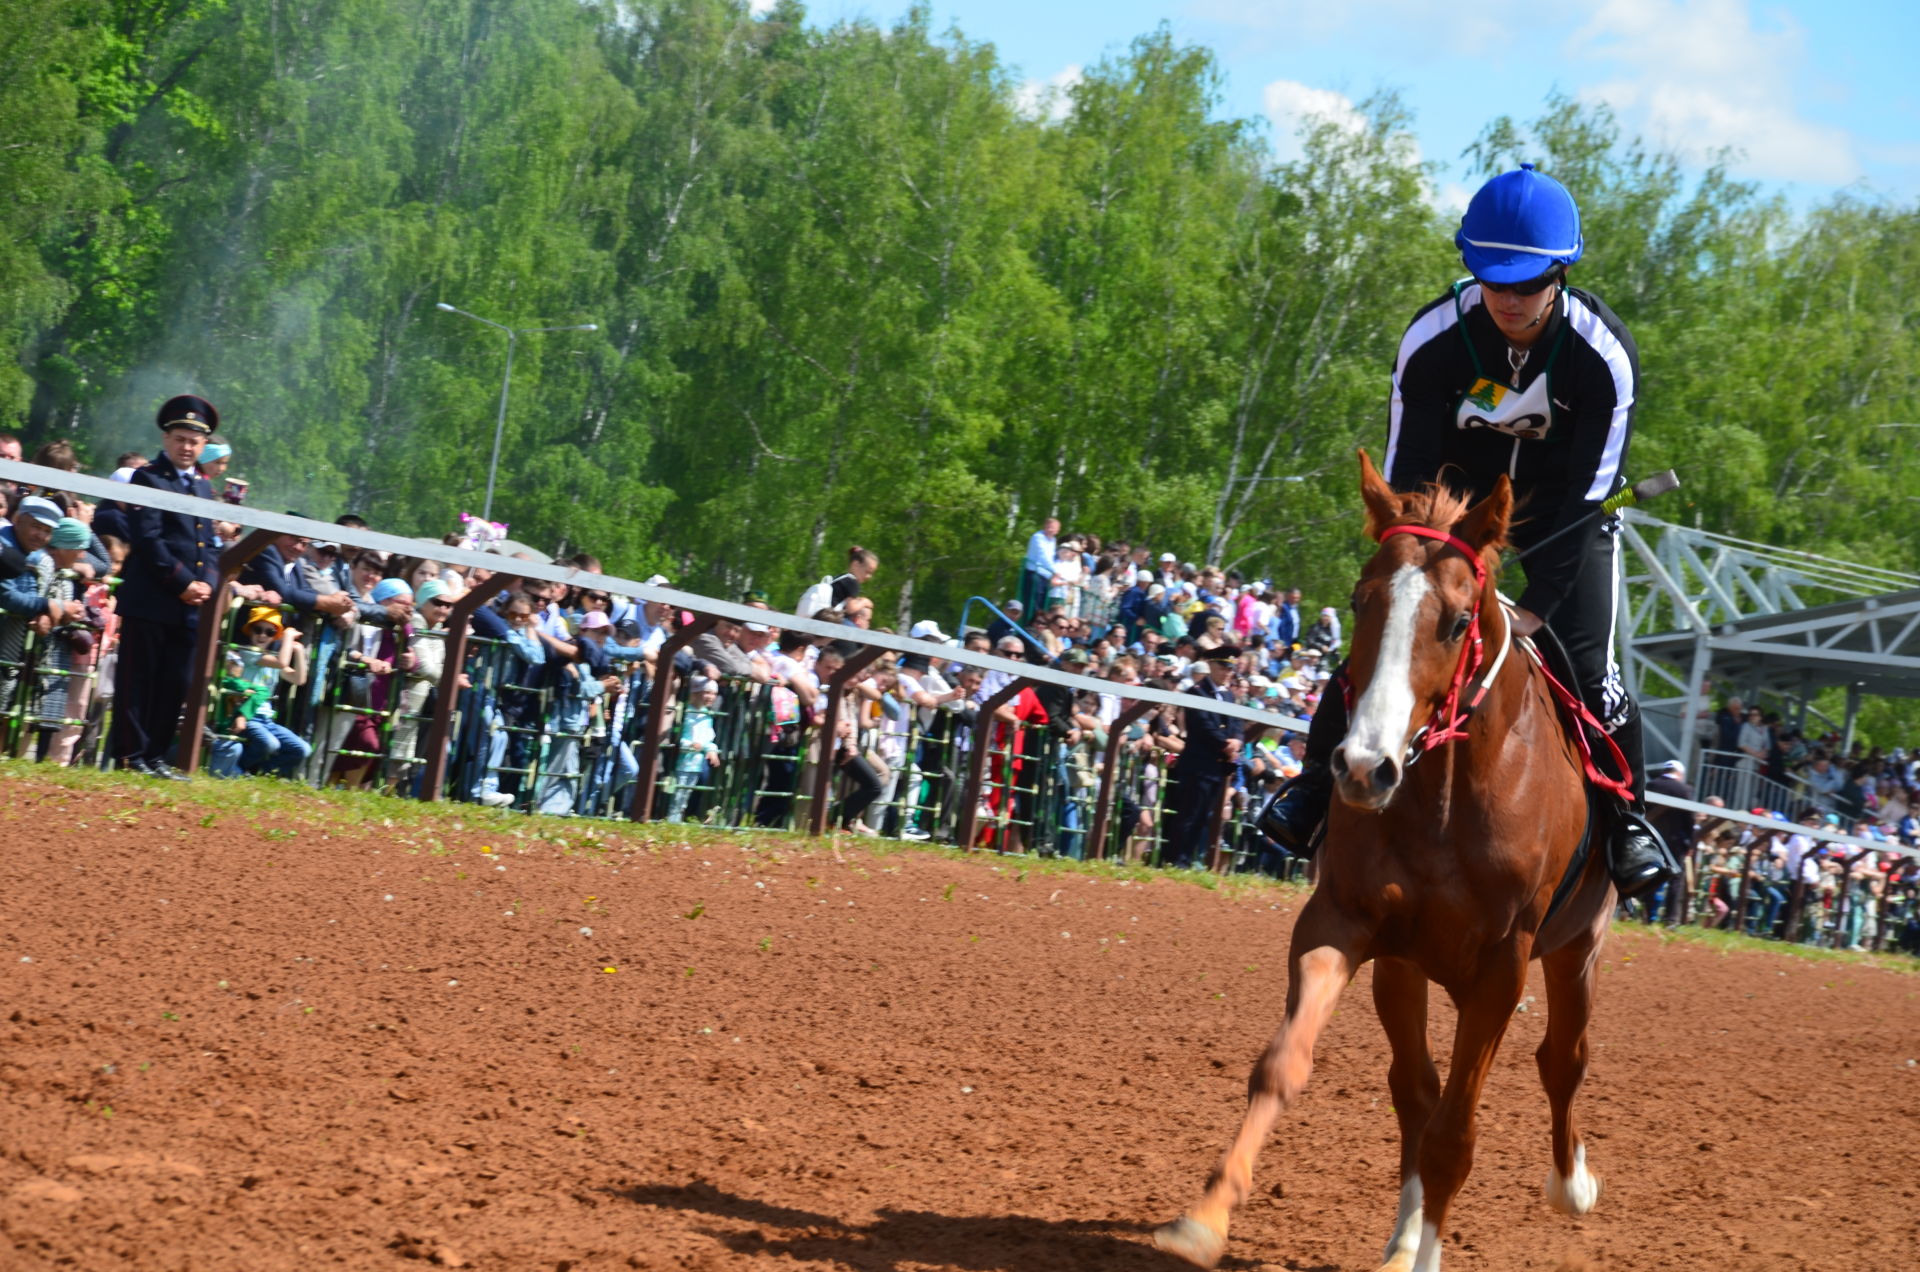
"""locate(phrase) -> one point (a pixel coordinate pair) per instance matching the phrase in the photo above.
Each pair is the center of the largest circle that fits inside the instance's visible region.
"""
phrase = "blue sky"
(1813, 93)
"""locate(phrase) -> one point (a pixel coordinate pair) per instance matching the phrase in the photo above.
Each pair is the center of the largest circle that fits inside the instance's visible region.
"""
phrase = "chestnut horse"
(1443, 870)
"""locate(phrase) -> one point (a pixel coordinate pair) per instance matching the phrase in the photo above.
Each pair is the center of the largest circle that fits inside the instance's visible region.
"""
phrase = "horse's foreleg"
(1571, 1188)
(1446, 1150)
(1400, 998)
(1326, 950)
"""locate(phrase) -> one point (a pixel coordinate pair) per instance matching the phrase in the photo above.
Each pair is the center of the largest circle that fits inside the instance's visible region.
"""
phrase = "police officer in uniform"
(1514, 371)
(171, 569)
(1200, 773)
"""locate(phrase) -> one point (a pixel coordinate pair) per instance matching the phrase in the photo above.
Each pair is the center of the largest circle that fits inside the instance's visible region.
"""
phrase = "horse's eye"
(1460, 626)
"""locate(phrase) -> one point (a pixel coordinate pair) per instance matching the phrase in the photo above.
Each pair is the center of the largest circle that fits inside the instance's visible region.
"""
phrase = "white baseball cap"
(927, 629)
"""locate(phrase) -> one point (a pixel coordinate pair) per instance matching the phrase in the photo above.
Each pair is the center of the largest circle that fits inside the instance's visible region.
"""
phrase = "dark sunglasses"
(1531, 287)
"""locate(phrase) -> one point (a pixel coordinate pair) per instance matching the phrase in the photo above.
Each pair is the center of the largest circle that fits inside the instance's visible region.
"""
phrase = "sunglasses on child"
(1531, 287)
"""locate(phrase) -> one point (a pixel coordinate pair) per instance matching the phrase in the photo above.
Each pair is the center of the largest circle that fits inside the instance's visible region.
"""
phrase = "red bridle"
(1473, 659)
(1472, 653)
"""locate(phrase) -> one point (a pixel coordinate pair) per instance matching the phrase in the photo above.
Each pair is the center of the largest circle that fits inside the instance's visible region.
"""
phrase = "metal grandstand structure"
(1769, 622)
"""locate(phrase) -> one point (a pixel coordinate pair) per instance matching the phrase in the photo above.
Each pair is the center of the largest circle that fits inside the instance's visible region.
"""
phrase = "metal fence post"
(983, 723)
(1746, 890)
(823, 772)
(206, 644)
(1109, 769)
(459, 627)
(640, 808)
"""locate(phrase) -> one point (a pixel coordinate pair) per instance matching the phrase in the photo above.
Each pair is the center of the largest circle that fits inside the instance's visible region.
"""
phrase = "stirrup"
(1637, 857)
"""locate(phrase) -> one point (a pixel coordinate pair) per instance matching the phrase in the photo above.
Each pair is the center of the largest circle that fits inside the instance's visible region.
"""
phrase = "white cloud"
(1450, 198)
(1049, 98)
(1696, 76)
(1700, 76)
(760, 8)
(1291, 106)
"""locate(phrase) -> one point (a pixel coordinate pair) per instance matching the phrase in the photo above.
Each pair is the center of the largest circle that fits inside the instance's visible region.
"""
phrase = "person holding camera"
(70, 642)
(28, 605)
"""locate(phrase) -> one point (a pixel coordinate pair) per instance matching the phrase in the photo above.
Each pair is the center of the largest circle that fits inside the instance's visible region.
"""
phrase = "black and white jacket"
(1562, 463)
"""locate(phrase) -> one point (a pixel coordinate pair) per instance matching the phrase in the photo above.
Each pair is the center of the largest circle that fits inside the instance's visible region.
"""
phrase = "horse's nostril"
(1386, 775)
(1340, 759)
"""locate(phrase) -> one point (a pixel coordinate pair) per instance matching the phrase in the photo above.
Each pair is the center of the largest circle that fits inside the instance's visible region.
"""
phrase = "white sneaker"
(495, 799)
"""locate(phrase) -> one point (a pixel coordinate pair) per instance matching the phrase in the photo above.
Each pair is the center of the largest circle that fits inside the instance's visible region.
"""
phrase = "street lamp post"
(506, 382)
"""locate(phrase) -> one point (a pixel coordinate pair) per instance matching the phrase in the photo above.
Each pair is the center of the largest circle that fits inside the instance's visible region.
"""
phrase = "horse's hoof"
(1192, 1241)
(1579, 1192)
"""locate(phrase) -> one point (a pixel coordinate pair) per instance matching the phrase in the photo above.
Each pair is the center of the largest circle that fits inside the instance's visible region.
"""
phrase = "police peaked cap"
(188, 411)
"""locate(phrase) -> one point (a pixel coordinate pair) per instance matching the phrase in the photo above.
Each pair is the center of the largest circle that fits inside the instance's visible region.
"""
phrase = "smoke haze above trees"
(851, 287)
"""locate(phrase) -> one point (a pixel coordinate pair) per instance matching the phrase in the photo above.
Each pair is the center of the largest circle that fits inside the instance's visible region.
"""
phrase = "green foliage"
(850, 290)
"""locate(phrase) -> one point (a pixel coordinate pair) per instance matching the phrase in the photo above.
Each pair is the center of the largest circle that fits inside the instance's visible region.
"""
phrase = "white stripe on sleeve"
(1588, 326)
(1442, 318)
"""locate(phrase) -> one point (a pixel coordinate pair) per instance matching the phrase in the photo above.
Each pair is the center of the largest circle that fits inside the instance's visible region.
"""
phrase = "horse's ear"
(1383, 506)
(1485, 524)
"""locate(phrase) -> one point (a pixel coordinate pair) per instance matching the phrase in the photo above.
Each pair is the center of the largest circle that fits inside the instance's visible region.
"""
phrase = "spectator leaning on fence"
(370, 662)
(69, 645)
(433, 602)
(27, 604)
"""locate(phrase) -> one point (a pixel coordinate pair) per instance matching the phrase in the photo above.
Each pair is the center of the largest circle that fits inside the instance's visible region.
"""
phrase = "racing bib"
(1525, 413)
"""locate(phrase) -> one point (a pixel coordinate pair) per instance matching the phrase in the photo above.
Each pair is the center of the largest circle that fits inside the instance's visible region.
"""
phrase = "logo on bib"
(1486, 394)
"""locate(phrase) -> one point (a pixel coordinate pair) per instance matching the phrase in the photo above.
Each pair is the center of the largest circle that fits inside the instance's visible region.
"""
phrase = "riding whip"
(1638, 493)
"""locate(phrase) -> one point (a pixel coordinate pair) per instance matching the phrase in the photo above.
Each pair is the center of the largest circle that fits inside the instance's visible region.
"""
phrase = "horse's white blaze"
(1384, 712)
(1405, 1242)
(1428, 1260)
(1579, 1192)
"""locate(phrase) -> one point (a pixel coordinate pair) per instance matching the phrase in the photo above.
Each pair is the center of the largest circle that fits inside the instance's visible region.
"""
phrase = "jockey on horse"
(1514, 372)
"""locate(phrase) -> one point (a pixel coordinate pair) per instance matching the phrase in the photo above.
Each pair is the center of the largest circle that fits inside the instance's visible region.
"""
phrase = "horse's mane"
(1434, 505)
(1439, 506)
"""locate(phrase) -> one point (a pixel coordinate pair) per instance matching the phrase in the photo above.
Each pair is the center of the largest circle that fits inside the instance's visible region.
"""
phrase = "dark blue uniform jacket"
(169, 550)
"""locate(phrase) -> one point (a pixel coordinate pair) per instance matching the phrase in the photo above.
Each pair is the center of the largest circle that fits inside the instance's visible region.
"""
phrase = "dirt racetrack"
(262, 1040)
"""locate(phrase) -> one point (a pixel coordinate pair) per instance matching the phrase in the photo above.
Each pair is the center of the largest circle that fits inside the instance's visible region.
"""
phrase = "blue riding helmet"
(1518, 226)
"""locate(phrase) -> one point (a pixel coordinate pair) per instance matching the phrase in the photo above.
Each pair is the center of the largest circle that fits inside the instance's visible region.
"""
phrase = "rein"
(1455, 715)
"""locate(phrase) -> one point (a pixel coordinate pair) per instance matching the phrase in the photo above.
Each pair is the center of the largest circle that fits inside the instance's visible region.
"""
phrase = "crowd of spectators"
(332, 657)
(1756, 755)
(1795, 886)
(332, 660)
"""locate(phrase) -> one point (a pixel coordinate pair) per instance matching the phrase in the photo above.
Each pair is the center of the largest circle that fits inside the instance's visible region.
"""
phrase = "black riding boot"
(1637, 857)
(1294, 814)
